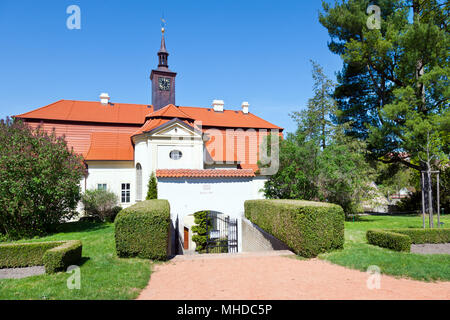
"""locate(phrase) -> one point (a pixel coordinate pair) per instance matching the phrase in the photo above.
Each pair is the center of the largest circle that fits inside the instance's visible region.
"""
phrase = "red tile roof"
(123, 113)
(169, 111)
(87, 111)
(110, 142)
(206, 173)
(110, 146)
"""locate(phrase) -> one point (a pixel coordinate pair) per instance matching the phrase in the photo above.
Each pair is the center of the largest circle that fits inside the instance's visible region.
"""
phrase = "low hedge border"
(307, 227)
(142, 230)
(53, 255)
(390, 240)
(395, 238)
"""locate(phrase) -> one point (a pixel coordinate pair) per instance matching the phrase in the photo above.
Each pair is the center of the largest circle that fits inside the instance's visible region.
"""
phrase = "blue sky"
(255, 51)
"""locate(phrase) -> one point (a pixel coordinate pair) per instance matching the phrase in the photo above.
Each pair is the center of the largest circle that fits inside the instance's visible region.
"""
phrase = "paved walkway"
(275, 275)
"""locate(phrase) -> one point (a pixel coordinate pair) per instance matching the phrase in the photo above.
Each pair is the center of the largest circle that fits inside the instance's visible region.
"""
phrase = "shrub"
(201, 230)
(395, 238)
(142, 230)
(100, 204)
(59, 258)
(307, 227)
(390, 240)
(54, 255)
(39, 180)
(152, 192)
(418, 236)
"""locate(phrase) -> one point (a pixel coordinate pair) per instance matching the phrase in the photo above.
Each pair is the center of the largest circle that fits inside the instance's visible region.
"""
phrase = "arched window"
(138, 182)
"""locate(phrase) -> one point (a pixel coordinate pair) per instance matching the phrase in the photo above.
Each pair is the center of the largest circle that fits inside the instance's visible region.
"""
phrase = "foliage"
(61, 257)
(152, 192)
(420, 235)
(319, 162)
(54, 255)
(393, 178)
(97, 268)
(358, 254)
(101, 204)
(16, 255)
(39, 180)
(202, 221)
(344, 175)
(317, 119)
(393, 89)
(390, 240)
(142, 230)
(308, 228)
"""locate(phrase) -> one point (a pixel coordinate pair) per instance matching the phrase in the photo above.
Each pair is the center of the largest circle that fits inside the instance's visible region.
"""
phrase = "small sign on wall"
(206, 189)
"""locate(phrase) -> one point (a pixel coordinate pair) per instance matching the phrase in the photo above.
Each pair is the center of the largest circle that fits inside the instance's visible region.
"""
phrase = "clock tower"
(163, 80)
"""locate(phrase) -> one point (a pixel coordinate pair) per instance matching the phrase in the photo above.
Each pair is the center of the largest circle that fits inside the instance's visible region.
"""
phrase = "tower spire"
(162, 53)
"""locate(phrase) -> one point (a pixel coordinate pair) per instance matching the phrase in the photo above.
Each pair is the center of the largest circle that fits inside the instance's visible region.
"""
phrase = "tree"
(101, 204)
(201, 228)
(39, 180)
(394, 85)
(316, 120)
(318, 162)
(152, 192)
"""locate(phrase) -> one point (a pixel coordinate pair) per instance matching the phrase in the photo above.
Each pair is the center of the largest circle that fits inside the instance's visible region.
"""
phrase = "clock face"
(164, 84)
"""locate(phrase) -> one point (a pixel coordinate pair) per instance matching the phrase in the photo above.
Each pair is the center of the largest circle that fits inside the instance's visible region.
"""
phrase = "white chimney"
(245, 106)
(104, 99)
(218, 105)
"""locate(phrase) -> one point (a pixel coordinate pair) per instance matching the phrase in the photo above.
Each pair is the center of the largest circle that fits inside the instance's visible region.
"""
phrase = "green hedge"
(54, 255)
(390, 240)
(395, 238)
(59, 258)
(418, 236)
(307, 227)
(142, 230)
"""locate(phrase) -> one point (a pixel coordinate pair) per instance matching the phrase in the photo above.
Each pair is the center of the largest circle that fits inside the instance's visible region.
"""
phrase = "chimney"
(104, 99)
(218, 105)
(245, 106)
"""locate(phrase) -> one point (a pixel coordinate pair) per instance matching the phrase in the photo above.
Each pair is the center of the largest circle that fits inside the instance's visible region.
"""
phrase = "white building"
(204, 158)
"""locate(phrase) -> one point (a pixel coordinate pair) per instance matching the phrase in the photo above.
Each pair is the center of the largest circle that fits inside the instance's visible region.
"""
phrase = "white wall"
(113, 173)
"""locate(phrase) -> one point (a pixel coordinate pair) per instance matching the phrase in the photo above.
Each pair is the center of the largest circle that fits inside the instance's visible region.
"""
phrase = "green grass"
(103, 274)
(358, 254)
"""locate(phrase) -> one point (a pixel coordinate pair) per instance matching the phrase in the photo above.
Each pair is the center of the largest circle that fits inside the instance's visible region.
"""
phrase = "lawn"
(103, 274)
(358, 254)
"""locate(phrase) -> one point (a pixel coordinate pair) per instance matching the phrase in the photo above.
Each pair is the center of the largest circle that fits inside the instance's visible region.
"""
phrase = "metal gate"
(222, 235)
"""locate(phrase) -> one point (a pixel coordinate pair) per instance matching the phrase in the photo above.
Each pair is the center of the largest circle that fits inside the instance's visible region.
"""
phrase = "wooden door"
(186, 238)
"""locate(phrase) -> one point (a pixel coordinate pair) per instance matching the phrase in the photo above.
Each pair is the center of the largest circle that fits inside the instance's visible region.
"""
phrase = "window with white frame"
(101, 186)
(125, 192)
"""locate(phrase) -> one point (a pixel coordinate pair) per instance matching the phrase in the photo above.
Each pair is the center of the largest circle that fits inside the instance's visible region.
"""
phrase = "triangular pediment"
(175, 128)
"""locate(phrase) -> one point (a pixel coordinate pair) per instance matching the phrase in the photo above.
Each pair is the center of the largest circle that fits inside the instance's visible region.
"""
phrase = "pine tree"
(152, 192)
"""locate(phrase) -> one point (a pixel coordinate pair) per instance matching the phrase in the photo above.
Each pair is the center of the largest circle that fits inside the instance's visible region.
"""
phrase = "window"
(125, 192)
(175, 154)
(138, 182)
(101, 186)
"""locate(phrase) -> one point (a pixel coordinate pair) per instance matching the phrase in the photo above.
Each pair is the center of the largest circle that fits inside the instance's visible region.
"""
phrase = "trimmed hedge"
(307, 227)
(418, 236)
(59, 258)
(390, 240)
(142, 230)
(395, 238)
(54, 255)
